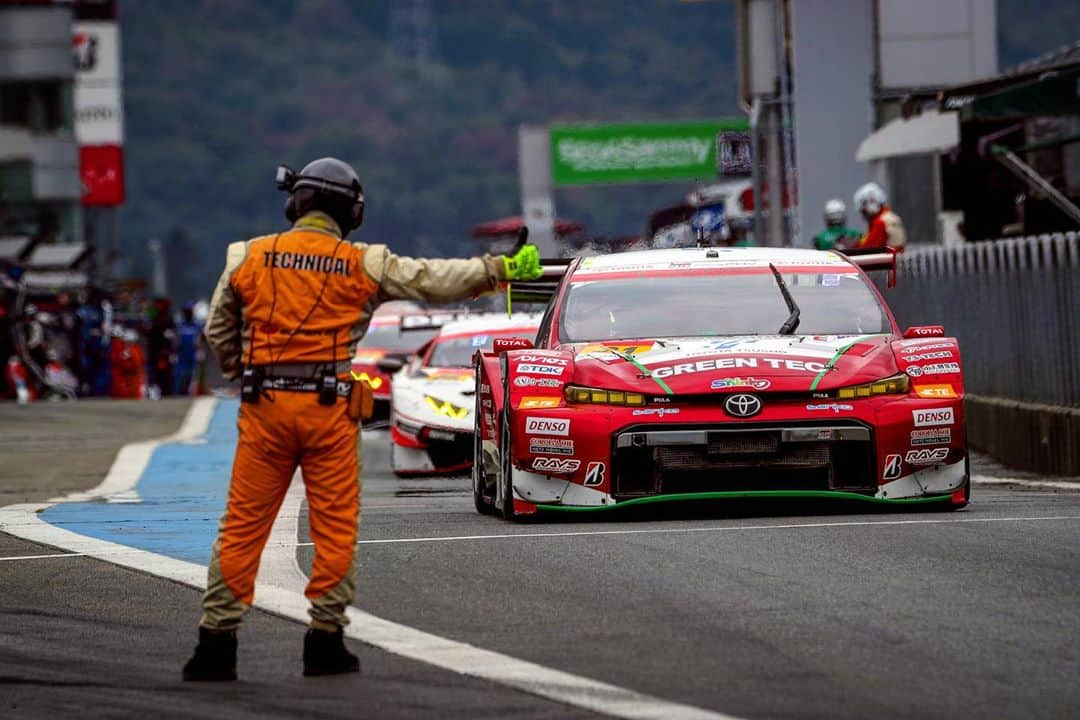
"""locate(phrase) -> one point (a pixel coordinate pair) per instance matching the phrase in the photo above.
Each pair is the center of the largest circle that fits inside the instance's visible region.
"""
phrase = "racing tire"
(485, 504)
(393, 465)
(506, 467)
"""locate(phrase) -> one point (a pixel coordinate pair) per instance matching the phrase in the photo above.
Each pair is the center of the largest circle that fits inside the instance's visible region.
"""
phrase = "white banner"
(99, 110)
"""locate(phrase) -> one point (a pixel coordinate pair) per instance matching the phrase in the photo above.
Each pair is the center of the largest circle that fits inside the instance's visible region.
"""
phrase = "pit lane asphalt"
(955, 617)
(880, 614)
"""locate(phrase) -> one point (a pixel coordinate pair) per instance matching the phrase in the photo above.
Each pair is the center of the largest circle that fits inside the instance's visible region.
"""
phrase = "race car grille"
(684, 460)
(446, 452)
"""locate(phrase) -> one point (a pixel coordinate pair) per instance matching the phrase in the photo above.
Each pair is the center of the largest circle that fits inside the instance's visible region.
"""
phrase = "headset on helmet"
(325, 184)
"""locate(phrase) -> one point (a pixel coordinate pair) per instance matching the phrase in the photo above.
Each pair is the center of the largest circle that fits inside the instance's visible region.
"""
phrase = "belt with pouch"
(303, 384)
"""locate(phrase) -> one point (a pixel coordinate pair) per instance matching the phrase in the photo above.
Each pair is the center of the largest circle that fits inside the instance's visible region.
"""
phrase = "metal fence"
(1013, 304)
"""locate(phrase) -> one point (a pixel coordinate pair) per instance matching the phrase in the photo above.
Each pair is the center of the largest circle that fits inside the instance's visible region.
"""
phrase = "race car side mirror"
(924, 331)
(501, 345)
(390, 365)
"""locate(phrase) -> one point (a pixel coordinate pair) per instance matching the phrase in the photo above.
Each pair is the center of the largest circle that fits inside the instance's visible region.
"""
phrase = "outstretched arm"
(440, 281)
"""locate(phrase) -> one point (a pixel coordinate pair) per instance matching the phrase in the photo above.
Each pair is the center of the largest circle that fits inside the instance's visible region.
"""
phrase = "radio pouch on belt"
(251, 384)
(361, 401)
(327, 388)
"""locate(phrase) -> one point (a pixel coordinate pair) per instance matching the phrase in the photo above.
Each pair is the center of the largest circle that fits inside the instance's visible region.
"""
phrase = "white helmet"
(835, 212)
(869, 198)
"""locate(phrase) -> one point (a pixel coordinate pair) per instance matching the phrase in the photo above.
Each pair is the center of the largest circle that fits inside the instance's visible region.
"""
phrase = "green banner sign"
(638, 152)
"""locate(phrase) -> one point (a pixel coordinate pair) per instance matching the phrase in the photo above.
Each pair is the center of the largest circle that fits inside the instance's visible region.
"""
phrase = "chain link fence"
(1013, 304)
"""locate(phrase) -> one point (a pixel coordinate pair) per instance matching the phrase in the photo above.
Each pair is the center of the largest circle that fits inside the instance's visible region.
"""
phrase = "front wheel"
(484, 502)
(506, 466)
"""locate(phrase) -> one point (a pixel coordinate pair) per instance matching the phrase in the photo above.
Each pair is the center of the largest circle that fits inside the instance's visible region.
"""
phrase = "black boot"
(325, 654)
(214, 658)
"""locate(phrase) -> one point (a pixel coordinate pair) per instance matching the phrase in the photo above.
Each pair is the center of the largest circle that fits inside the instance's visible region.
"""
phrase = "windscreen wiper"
(793, 319)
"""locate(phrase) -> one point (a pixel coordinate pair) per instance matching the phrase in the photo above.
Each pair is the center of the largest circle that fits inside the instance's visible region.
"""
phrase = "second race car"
(431, 409)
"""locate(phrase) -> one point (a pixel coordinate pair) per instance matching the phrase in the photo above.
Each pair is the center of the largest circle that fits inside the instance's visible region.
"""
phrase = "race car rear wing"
(542, 289)
(873, 260)
(430, 320)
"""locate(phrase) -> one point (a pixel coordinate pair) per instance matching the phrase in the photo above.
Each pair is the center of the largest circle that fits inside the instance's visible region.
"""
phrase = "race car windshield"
(711, 305)
(390, 337)
(458, 351)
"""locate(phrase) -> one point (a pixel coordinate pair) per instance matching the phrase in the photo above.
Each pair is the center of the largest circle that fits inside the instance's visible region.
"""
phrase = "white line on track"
(25, 522)
(40, 557)
(1056, 484)
(720, 528)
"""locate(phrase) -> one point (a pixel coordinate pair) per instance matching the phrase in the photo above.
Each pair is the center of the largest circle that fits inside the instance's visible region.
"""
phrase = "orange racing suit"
(294, 306)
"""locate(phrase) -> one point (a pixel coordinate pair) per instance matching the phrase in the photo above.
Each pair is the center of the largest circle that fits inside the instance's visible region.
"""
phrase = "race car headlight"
(887, 386)
(598, 396)
(445, 408)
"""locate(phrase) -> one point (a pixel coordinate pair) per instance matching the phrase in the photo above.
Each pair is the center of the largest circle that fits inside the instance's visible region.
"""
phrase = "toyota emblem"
(742, 405)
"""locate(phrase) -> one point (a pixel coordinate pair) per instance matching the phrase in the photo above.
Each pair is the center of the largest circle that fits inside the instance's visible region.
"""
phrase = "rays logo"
(555, 465)
(927, 457)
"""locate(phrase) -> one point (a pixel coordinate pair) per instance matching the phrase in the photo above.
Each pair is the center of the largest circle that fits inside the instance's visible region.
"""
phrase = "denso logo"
(929, 418)
(547, 426)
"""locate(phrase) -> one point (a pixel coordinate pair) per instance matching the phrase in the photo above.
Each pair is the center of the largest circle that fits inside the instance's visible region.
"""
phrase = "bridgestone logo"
(547, 426)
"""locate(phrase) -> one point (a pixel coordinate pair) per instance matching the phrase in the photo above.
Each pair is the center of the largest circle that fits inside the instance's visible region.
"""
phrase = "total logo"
(927, 456)
(559, 466)
(741, 382)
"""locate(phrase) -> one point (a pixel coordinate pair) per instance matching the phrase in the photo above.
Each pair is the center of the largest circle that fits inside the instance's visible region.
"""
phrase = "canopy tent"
(1056, 92)
(929, 132)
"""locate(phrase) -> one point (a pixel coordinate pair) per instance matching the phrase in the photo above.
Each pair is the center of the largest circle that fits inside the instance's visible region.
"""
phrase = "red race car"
(699, 373)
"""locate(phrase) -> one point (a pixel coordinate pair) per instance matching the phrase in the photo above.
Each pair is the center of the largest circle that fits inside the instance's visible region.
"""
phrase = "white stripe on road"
(719, 528)
(1056, 484)
(24, 521)
(40, 557)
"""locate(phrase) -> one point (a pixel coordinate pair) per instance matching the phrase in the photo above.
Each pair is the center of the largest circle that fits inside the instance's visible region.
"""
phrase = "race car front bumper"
(620, 456)
(429, 450)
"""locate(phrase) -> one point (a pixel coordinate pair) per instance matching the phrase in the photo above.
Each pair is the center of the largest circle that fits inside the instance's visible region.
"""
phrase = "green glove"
(524, 264)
